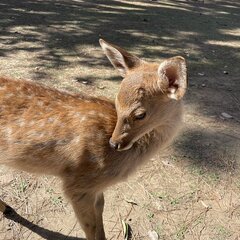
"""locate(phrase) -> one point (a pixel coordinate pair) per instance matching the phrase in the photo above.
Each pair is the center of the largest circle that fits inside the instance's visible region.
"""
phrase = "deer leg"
(88, 208)
(99, 206)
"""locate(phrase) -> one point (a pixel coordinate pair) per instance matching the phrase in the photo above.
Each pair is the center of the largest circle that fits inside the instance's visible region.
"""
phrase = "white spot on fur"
(101, 115)
(41, 124)
(83, 118)
(9, 95)
(31, 134)
(51, 120)
(77, 139)
(92, 113)
(40, 103)
(40, 135)
(77, 114)
(49, 109)
(20, 122)
(31, 123)
(8, 134)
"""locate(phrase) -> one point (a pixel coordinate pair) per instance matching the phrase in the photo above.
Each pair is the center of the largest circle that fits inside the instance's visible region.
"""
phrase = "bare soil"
(190, 191)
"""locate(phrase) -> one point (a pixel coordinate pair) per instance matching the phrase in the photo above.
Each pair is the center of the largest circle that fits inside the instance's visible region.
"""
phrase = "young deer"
(88, 142)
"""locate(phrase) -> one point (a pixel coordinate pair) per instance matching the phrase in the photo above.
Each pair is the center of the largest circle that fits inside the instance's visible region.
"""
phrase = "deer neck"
(160, 136)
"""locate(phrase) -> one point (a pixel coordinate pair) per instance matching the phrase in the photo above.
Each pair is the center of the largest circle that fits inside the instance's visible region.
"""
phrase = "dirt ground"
(190, 191)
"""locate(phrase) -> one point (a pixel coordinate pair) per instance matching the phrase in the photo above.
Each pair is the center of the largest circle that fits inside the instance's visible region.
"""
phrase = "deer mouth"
(120, 146)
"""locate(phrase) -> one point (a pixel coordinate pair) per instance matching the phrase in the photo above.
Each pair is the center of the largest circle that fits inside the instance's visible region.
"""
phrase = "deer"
(91, 143)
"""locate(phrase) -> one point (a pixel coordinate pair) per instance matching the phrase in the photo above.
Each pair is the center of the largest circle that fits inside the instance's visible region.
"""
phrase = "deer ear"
(120, 58)
(173, 76)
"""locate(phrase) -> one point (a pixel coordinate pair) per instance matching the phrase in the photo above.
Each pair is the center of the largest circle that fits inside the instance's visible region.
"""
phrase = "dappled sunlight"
(172, 5)
(68, 25)
(232, 32)
(230, 44)
(52, 38)
(59, 40)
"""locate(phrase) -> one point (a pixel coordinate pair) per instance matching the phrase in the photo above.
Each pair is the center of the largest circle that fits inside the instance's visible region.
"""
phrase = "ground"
(190, 191)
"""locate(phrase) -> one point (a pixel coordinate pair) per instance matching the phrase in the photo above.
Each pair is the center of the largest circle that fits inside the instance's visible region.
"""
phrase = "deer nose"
(113, 145)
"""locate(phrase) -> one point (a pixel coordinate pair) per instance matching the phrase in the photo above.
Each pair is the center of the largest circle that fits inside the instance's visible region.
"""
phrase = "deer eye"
(140, 116)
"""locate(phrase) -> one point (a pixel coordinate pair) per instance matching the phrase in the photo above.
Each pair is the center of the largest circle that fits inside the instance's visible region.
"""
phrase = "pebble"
(226, 115)
(153, 235)
(101, 87)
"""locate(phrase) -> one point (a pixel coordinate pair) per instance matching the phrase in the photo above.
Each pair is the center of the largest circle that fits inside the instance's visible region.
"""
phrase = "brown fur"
(52, 132)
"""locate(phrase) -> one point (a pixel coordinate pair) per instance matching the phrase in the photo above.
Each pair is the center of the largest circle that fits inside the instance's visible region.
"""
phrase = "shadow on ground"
(59, 32)
(62, 28)
(42, 232)
(214, 151)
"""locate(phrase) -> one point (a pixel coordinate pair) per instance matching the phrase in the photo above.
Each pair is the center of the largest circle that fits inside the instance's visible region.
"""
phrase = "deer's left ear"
(173, 77)
(122, 60)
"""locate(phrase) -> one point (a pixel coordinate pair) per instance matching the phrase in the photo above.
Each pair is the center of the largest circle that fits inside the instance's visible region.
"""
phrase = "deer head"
(148, 96)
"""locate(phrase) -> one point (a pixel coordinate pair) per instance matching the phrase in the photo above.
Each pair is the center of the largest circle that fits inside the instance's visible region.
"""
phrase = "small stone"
(226, 115)
(203, 85)
(153, 235)
(85, 82)
(225, 72)
(167, 163)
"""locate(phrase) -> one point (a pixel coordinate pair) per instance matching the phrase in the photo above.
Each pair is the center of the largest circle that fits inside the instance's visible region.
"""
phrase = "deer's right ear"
(173, 75)
(120, 58)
